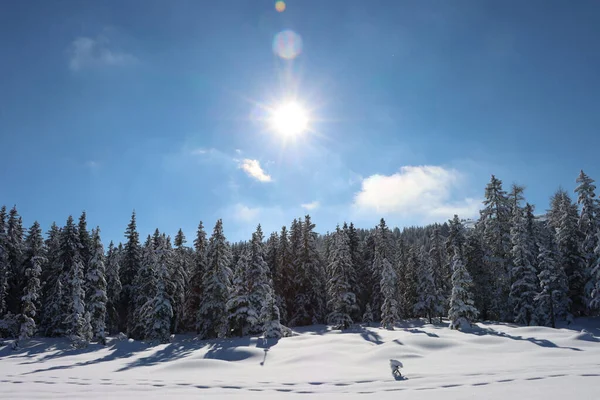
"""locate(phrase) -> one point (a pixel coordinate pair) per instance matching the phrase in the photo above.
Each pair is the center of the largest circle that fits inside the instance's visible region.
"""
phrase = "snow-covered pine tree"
(55, 283)
(272, 328)
(242, 317)
(439, 265)
(282, 280)
(462, 310)
(410, 295)
(77, 324)
(85, 239)
(563, 217)
(494, 227)
(258, 278)
(157, 312)
(383, 254)
(14, 248)
(179, 277)
(356, 284)
(34, 259)
(113, 288)
(342, 301)
(589, 227)
(217, 285)
(130, 264)
(96, 297)
(474, 259)
(294, 286)
(388, 284)
(523, 277)
(144, 285)
(310, 279)
(370, 282)
(552, 302)
(195, 286)
(4, 265)
(430, 302)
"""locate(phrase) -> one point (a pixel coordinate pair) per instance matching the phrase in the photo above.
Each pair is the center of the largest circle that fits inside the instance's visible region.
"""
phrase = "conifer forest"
(513, 264)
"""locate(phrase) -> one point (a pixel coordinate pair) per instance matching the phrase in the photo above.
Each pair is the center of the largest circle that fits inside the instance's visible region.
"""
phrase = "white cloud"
(87, 52)
(311, 206)
(199, 151)
(254, 170)
(423, 192)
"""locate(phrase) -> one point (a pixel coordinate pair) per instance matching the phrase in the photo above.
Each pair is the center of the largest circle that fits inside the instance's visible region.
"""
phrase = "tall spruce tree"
(157, 312)
(212, 317)
(439, 265)
(462, 309)
(34, 259)
(130, 264)
(113, 288)
(145, 286)
(258, 278)
(55, 283)
(85, 239)
(342, 301)
(96, 298)
(242, 317)
(552, 301)
(195, 285)
(494, 226)
(383, 255)
(388, 285)
(282, 279)
(356, 283)
(563, 218)
(4, 265)
(474, 259)
(589, 227)
(77, 323)
(294, 279)
(309, 279)
(14, 248)
(410, 295)
(523, 276)
(430, 302)
(179, 277)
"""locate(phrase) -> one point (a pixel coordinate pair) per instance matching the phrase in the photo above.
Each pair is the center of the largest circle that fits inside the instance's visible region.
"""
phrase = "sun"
(289, 119)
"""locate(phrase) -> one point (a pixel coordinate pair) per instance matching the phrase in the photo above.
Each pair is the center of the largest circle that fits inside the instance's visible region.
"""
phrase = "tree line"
(511, 266)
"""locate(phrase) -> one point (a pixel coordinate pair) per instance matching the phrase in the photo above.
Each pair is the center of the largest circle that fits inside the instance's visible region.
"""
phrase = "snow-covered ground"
(490, 362)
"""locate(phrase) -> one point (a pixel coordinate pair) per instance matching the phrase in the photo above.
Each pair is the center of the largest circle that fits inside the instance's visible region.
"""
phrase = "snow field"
(492, 361)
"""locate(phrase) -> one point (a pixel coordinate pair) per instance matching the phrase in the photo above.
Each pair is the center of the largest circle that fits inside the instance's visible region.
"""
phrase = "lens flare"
(280, 6)
(287, 44)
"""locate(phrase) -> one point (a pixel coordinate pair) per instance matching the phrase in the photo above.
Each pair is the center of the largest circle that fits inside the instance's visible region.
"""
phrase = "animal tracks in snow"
(362, 386)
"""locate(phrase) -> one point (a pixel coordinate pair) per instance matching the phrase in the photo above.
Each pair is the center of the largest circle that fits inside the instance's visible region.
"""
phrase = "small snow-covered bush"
(121, 336)
(286, 332)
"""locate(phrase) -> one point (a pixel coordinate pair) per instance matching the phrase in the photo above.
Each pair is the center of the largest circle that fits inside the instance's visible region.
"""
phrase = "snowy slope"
(491, 362)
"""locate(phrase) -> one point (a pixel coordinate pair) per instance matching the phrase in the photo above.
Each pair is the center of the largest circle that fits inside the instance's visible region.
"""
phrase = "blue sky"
(111, 106)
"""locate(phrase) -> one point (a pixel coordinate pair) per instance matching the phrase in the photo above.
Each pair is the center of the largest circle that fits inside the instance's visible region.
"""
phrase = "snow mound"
(585, 335)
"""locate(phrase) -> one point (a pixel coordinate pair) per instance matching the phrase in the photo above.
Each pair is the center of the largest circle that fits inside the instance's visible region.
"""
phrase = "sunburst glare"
(289, 119)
